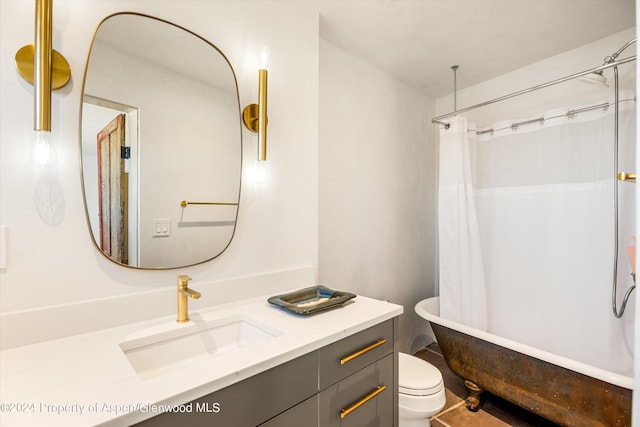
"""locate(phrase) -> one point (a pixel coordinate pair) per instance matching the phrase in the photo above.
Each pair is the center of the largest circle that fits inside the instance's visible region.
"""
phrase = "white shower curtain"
(462, 284)
(542, 205)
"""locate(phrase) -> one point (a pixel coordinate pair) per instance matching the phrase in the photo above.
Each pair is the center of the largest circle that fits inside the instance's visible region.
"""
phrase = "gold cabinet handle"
(623, 176)
(359, 403)
(363, 351)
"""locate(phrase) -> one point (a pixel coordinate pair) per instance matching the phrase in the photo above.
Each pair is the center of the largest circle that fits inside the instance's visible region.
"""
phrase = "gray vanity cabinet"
(249, 402)
(359, 369)
(350, 383)
(371, 386)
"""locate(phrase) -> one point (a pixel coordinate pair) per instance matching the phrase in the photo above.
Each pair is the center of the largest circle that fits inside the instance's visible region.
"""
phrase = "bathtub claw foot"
(473, 400)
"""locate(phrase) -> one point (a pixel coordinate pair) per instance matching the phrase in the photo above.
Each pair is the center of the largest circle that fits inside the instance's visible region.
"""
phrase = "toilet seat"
(418, 377)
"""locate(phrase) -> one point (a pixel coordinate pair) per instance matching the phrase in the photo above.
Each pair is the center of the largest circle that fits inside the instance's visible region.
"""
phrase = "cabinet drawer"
(252, 401)
(343, 358)
(362, 399)
(303, 414)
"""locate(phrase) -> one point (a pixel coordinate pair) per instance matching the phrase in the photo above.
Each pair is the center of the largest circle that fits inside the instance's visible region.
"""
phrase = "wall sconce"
(254, 116)
(45, 69)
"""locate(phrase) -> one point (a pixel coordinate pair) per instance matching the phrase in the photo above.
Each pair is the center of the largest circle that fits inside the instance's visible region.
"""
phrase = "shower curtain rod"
(438, 119)
(568, 114)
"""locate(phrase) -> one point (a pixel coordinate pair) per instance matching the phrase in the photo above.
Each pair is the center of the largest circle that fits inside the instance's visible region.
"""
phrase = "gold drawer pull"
(623, 176)
(363, 351)
(359, 403)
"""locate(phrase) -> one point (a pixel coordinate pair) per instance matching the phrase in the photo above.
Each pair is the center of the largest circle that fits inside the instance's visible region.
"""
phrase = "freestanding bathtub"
(559, 389)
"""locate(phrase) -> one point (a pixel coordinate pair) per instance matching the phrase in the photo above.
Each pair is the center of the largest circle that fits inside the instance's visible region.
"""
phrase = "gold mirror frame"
(220, 211)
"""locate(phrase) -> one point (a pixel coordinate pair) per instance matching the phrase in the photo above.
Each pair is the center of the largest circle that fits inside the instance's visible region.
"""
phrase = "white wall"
(52, 261)
(377, 187)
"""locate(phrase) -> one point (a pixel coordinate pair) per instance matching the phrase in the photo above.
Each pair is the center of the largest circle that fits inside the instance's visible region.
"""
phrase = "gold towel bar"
(363, 351)
(184, 203)
(623, 176)
(359, 403)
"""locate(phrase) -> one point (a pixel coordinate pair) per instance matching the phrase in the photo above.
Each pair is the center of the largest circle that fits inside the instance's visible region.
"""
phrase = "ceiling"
(418, 41)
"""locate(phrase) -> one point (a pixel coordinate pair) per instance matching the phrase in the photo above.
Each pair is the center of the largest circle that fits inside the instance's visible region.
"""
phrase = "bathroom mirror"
(161, 144)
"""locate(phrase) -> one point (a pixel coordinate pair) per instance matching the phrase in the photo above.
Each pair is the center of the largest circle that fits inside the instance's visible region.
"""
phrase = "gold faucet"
(183, 294)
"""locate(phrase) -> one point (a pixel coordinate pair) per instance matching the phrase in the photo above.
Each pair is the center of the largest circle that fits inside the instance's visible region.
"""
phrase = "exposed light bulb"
(264, 59)
(44, 153)
(259, 172)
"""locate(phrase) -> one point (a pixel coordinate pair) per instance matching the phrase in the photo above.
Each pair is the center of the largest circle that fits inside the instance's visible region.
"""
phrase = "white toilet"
(421, 391)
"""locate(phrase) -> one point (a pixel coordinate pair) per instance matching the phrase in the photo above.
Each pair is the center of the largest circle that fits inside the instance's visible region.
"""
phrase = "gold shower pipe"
(184, 203)
(42, 66)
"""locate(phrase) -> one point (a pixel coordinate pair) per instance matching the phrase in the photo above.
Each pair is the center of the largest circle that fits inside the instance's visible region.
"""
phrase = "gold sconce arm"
(60, 71)
(254, 116)
(42, 66)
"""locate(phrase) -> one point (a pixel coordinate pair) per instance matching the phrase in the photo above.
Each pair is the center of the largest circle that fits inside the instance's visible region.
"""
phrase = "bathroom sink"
(172, 345)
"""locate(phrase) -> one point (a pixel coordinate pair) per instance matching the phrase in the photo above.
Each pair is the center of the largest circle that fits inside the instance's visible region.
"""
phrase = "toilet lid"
(418, 377)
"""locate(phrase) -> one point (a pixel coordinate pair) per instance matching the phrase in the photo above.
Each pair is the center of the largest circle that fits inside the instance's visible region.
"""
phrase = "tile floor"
(494, 412)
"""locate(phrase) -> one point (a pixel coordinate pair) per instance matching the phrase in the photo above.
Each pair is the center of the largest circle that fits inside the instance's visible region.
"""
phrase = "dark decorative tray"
(311, 300)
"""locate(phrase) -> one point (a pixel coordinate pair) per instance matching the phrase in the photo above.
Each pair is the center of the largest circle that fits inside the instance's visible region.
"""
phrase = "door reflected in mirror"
(160, 125)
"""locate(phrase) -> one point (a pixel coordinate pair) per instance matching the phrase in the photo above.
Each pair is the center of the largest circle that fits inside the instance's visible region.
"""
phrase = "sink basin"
(172, 345)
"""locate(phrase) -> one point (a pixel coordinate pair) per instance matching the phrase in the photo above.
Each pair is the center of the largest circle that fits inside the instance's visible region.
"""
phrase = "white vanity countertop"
(86, 380)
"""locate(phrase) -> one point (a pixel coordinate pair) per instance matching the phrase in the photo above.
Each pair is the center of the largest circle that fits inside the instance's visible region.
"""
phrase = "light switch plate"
(161, 228)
